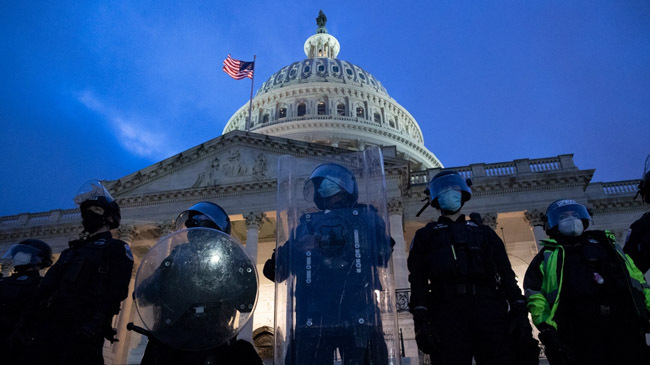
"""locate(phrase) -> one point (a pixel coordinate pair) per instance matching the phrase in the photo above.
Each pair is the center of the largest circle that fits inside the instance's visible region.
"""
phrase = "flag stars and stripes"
(238, 69)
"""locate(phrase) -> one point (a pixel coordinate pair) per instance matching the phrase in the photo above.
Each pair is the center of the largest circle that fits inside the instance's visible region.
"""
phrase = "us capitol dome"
(325, 100)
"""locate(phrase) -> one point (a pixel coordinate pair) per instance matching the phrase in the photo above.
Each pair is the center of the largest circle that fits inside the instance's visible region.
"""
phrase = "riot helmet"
(204, 214)
(567, 218)
(444, 183)
(93, 194)
(330, 186)
(30, 252)
(644, 184)
(198, 296)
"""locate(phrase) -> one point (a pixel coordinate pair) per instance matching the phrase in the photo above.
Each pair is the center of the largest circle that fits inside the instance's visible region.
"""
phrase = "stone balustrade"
(510, 168)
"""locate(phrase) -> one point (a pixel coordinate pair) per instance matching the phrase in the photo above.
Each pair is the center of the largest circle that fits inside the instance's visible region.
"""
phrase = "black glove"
(425, 334)
(519, 328)
(93, 327)
(269, 268)
(556, 352)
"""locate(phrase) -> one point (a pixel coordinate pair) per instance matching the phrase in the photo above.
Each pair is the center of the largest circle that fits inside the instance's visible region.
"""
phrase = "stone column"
(126, 233)
(536, 219)
(395, 215)
(165, 228)
(254, 222)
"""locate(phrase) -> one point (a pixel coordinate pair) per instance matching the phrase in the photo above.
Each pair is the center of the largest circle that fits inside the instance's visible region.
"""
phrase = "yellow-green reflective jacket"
(543, 303)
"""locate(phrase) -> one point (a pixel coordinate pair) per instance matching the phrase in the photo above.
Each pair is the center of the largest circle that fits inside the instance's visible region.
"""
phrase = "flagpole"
(250, 103)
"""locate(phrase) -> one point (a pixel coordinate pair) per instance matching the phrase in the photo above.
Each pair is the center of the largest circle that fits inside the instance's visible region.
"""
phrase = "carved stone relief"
(235, 164)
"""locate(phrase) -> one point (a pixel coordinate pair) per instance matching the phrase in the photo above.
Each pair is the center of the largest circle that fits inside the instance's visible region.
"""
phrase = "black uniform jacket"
(447, 256)
(638, 243)
(90, 278)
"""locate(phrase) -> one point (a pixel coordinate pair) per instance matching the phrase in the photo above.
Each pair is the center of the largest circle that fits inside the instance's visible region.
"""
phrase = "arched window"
(392, 123)
(377, 118)
(265, 118)
(340, 109)
(282, 113)
(321, 108)
(302, 109)
(360, 112)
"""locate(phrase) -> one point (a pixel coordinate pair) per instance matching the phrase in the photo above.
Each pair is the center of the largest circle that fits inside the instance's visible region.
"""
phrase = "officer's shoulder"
(432, 226)
(643, 222)
(120, 246)
(368, 207)
(309, 215)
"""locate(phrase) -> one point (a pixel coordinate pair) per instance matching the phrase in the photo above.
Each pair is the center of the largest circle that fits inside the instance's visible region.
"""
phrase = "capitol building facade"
(311, 109)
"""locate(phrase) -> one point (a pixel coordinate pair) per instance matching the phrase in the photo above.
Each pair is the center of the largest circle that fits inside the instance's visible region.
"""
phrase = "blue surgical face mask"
(328, 188)
(450, 200)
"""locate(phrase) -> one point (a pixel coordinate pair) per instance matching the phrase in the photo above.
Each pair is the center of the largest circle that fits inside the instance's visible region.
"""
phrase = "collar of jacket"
(445, 219)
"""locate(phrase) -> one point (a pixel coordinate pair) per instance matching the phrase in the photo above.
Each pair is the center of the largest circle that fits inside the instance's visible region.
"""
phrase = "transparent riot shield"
(335, 297)
(196, 288)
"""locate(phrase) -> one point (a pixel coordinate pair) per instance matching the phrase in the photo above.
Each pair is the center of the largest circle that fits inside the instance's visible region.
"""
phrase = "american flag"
(238, 69)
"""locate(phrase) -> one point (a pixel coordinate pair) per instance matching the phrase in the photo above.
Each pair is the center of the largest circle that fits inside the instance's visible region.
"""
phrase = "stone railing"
(38, 219)
(621, 187)
(510, 168)
(419, 177)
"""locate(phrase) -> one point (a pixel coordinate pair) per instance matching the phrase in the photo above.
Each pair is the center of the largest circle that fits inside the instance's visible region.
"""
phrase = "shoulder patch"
(470, 223)
(128, 252)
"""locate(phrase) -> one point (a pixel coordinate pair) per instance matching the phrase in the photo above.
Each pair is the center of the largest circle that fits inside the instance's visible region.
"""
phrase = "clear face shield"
(92, 190)
(335, 295)
(19, 255)
(196, 289)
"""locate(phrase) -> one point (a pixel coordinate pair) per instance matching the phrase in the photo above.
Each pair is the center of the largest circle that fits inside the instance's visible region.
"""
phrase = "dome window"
(362, 76)
(377, 118)
(335, 69)
(391, 123)
(301, 109)
(349, 72)
(292, 73)
(265, 118)
(321, 108)
(340, 109)
(321, 68)
(360, 112)
(307, 69)
(282, 113)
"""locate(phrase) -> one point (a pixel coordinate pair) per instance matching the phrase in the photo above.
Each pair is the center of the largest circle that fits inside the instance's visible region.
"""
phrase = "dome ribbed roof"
(321, 70)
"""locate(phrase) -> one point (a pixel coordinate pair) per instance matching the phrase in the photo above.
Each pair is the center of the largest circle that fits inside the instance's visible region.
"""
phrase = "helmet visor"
(444, 183)
(92, 190)
(565, 212)
(327, 180)
(22, 250)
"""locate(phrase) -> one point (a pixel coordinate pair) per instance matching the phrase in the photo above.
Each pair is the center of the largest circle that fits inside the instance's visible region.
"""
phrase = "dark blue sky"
(98, 89)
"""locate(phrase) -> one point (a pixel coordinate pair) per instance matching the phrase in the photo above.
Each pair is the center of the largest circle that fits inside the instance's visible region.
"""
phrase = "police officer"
(82, 291)
(233, 351)
(19, 290)
(334, 256)
(464, 297)
(586, 297)
(638, 242)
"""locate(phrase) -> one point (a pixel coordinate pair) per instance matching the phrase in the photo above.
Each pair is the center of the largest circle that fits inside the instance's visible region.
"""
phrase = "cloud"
(134, 133)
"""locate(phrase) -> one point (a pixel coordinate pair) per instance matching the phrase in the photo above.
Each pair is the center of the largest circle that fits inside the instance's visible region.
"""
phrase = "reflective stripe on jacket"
(543, 304)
